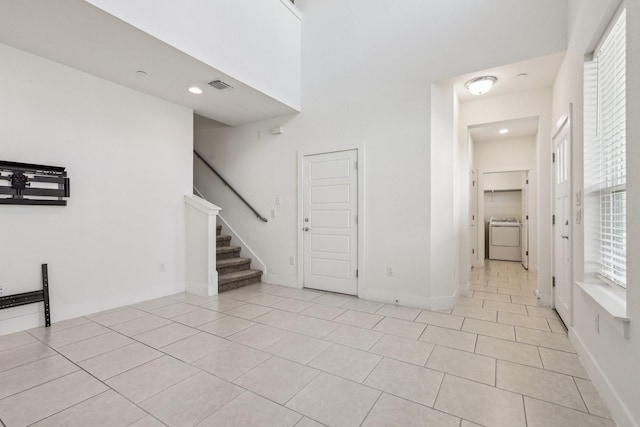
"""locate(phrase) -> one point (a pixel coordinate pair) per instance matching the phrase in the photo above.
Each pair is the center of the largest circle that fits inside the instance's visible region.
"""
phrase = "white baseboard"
(543, 298)
(619, 411)
(464, 289)
(276, 279)
(23, 322)
(425, 303)
(32, 316)
(202, 289)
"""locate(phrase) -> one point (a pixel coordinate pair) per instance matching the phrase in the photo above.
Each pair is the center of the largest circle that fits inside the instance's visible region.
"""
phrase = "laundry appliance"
(504, 238)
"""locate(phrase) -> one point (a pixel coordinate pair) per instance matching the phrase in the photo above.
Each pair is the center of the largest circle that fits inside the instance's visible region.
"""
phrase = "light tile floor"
(267, 355)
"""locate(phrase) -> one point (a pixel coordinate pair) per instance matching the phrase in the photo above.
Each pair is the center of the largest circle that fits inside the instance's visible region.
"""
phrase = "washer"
(504, 238)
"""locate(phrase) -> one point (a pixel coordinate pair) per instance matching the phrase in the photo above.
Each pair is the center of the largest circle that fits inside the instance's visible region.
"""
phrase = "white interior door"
(524, 220)
(330, 209)
(562, 296)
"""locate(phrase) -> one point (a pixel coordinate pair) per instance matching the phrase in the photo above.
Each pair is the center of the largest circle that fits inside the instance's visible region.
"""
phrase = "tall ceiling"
(79, 35)
(535, 73)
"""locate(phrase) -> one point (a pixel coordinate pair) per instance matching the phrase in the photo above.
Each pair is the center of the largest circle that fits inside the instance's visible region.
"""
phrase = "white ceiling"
(540, 73)
(520, 128)
(79, 35)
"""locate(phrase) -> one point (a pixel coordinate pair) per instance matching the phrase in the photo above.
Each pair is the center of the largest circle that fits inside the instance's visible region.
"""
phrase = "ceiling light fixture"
(480, 85)
(503, 131)
(195, 89)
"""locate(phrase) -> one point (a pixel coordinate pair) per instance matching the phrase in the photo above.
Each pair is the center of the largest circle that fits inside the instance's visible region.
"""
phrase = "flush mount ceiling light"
(503, 131)
(480, 85)
(195, 89)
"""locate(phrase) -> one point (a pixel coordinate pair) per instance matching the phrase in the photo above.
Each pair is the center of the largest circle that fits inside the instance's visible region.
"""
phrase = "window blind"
(611, 173)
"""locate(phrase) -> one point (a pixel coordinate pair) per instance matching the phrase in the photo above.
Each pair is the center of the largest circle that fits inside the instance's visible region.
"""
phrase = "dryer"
(504, 239)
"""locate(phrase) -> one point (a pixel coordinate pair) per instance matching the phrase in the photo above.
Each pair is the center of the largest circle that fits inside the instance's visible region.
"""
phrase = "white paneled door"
(330, 222)
(562, 295)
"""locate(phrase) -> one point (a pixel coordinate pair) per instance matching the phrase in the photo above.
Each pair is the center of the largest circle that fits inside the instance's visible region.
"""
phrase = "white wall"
(610, 358)
(367, 73)
(501, 154)
(518, 154)
(503, 180)
(502, 203)
(256, 42)
(128, 157)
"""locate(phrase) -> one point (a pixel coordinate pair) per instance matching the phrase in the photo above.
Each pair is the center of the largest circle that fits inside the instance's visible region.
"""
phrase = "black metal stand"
(31, 297)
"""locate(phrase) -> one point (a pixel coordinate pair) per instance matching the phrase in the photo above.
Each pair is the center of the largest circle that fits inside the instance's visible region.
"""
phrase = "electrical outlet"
(274, 214)
(162, 267)
(277, 200)
(1, 290)
(292, 261)
(389, 271)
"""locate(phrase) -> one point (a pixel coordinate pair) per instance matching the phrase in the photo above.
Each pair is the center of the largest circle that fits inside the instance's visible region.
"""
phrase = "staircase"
(233, 271)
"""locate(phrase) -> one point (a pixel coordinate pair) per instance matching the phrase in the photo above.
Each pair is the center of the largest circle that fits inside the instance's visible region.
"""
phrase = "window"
(605, 153)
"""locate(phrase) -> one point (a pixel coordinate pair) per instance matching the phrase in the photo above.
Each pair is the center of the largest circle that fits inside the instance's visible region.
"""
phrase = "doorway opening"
(503, 196)
(504, 216)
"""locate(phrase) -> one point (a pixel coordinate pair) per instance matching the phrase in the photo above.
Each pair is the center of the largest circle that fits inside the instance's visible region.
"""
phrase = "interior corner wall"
(610, 358)
(129, 161)
(444, 218)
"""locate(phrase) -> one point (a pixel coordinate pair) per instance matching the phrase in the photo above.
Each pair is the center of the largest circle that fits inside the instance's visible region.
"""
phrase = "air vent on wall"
(220, 85)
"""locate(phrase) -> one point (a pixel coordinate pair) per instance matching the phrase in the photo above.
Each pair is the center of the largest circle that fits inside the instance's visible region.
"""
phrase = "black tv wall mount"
(29, 184)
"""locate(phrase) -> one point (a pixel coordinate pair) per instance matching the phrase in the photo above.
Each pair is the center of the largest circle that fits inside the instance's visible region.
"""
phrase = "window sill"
(610, 305)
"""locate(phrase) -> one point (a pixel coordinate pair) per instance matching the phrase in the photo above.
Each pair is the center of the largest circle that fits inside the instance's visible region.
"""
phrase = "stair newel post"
(201, 220)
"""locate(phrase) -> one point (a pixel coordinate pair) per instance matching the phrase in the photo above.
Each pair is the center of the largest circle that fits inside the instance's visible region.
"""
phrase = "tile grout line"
(368, 350)
(581, 396)
(80, 369)
(371, 409)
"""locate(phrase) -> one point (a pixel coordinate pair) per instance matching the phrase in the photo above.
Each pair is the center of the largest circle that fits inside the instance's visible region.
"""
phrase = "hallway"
(276, 356)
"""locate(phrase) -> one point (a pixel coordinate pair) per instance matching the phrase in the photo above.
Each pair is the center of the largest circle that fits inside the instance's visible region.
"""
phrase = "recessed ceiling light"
(480, 85)
(195, 89)
(503, 131)
(141, 73)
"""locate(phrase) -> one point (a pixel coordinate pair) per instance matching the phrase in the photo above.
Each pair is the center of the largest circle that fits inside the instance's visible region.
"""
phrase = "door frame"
(327, 149)
(565, 120)
(524, 231)
(480, 240)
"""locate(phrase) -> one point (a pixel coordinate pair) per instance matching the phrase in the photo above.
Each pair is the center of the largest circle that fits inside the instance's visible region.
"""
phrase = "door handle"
(306, 229)
(565, 237)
